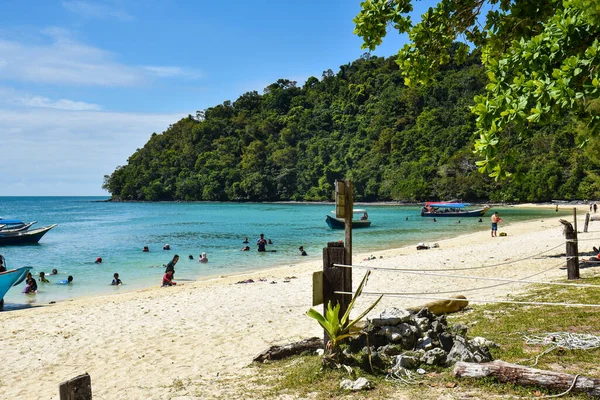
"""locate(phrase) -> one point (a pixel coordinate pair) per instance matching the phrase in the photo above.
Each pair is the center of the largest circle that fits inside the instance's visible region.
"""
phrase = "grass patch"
(505, 324)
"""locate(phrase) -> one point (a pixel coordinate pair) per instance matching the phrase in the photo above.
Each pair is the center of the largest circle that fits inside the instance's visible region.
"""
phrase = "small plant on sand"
(342, 328)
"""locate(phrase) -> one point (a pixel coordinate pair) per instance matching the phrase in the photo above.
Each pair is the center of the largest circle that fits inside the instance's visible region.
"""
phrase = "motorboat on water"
(340, 223)
(448, 209)
(30, 236)
(11, 278)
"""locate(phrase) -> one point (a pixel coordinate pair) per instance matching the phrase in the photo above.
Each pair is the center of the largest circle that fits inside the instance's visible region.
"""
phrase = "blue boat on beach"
(447, 209)
(11, 278)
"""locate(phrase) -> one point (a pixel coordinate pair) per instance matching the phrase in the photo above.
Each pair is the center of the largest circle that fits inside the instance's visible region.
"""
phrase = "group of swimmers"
(31, 286)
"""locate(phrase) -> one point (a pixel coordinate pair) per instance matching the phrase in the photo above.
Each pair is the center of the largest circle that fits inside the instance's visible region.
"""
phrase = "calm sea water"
(89, 228)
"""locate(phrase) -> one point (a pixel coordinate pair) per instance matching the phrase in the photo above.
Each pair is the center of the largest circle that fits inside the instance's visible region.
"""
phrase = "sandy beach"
(196, 340)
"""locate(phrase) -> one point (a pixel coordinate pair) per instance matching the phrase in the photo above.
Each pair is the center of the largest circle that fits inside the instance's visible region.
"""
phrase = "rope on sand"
(455, 269)
(478, 278)
(470, 300)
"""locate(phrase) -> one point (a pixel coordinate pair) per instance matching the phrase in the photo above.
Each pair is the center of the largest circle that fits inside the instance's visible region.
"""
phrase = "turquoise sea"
(89, 228)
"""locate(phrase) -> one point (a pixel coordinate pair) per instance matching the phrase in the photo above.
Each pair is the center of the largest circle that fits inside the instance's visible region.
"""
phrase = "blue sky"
(84, 83)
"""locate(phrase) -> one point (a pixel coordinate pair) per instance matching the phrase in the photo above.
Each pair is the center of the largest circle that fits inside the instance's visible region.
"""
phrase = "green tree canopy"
(542, 59)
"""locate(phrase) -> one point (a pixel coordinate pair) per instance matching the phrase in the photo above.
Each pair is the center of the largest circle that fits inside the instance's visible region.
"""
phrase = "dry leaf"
(450, 384)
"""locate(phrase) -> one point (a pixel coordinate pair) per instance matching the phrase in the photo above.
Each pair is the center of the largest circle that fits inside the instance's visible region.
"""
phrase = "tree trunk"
(279, 352)
(518, 374)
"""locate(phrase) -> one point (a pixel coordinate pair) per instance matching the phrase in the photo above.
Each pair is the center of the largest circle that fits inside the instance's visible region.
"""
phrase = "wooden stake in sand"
(78, 388)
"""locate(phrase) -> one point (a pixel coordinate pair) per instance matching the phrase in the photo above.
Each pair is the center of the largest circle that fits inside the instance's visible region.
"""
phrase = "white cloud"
(66, 61)
(173, 72)
(88, 9)
(64, 152)
(11, 97)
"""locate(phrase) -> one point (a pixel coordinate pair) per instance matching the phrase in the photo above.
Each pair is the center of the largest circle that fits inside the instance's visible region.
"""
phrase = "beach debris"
(439, 307)
(357, 385)
(282, 351)
(422, 246)
(246, 281)
(520, 375)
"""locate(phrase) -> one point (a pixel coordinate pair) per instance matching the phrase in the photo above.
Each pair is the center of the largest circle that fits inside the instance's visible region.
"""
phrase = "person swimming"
(42, 277)
(245, 240)
(146, 249)
(98, 260)
(246, 248)
(67, 281)
(54, 272)
(167, 247)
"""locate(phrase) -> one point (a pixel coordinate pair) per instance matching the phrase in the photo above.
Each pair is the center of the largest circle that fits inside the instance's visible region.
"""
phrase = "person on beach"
(261, 243)
(301, 250)
(168, 279)
(203, 259)
(116, 281)
(495, 221)
(42, 278)
(54, 272)
(67, 281)
(171, 264)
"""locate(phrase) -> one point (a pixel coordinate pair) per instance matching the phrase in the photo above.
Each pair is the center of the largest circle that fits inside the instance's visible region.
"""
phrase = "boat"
(24, 237)
(11, 223)
(339, 223)
(447, 209)
(7, 228)
(11, 278)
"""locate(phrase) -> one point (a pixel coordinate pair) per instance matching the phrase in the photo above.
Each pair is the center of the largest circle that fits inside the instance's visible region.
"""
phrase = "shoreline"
(257, 271)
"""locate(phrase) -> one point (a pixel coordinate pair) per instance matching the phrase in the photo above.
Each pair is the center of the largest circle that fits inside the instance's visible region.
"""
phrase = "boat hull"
(11, 278)
(25, 237)
(339, 223)
(473, 213)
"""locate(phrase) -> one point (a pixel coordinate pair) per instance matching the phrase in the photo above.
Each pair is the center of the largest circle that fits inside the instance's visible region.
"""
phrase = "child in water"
(168, 279)
(68, 281)
(43, 277)
(116, 281)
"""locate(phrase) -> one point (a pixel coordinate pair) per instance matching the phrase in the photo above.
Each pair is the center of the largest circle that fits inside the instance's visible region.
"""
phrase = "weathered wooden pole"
(575, 220)
(572, 250)
(587, 221)
(78, 388)
(333, 279)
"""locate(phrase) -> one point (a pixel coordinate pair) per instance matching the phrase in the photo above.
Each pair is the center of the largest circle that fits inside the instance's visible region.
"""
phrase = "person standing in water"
(171, 264)
(262, 243)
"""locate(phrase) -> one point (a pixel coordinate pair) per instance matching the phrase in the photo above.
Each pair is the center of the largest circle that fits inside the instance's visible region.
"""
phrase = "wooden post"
(575, 221)
(333, 279)
(78, 388)
(349, 206)
(572, 250)
(587, 221)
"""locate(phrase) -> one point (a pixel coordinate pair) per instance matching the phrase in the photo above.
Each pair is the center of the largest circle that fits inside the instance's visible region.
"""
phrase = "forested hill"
(361, 123)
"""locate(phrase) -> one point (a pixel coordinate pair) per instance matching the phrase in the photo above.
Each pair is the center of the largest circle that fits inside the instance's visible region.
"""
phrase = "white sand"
(194, 341)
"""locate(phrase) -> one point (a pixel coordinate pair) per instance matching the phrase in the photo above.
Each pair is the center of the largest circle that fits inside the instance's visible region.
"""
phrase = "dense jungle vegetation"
(361, 123)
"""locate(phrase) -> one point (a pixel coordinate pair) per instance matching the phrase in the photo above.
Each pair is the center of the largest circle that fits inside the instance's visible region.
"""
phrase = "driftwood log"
(506, 372)
(279, 352)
